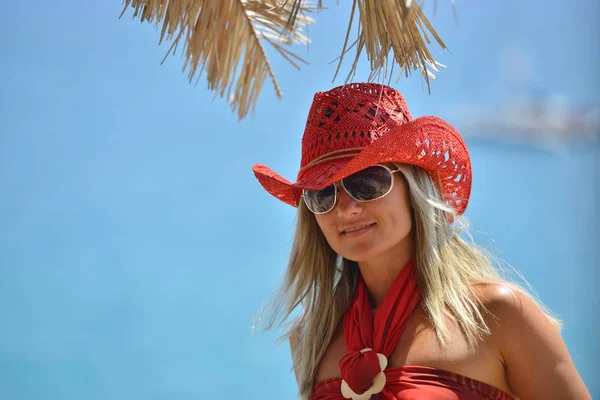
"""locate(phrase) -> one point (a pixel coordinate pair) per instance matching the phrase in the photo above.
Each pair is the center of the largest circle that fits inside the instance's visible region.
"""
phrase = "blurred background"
(136, 245)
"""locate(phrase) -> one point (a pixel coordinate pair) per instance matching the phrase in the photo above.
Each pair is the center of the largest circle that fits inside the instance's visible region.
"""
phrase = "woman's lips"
(357, 231)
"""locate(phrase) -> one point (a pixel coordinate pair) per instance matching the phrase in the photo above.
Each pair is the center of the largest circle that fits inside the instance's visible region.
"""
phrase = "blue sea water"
(114, 290)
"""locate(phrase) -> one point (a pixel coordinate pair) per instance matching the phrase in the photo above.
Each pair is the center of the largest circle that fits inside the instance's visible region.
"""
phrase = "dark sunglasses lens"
(320, 201)
(368, 184)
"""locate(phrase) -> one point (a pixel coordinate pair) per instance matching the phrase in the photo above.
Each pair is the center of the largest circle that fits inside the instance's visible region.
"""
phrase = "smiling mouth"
(357, 230)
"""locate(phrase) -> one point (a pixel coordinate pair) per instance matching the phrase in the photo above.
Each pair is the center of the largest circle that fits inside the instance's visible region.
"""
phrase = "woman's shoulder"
(507, 307)
(508, 302)
(529, 343)
(501, 295)
(513, 317)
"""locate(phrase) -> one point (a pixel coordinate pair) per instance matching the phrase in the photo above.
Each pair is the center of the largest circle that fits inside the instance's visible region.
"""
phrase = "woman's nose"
(346, 205)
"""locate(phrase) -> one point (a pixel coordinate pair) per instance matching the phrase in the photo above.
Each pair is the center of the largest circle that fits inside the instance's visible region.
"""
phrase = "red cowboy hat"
(358, 125)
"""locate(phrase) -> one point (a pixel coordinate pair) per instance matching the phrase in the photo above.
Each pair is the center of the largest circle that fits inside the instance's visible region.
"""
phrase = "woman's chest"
(419, 346)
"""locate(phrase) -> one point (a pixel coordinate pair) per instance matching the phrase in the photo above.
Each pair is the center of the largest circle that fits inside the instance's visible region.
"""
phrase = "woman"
(395, 303)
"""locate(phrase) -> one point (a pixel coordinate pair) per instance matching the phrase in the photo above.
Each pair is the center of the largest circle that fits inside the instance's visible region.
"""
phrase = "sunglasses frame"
(341, 181)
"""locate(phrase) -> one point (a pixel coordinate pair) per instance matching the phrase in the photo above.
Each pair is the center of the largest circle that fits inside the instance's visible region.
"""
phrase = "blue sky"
(136, 245)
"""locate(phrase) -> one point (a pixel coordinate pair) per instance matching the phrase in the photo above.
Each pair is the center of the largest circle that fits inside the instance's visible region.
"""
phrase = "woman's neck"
(379, 274)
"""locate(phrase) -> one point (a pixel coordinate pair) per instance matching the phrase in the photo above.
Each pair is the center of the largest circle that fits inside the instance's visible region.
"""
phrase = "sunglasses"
(369, 184)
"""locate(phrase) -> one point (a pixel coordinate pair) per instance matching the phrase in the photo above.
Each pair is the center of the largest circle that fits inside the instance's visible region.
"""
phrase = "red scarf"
(380, 332)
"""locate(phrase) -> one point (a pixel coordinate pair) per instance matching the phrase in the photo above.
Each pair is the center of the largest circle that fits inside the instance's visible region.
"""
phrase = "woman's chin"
(359, 257)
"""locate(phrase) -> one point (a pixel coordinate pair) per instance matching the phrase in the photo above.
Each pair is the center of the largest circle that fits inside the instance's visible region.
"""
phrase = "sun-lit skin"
(381, 249)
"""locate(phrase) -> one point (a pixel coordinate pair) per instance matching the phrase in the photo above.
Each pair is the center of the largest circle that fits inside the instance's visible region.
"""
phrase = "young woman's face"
(384, 225)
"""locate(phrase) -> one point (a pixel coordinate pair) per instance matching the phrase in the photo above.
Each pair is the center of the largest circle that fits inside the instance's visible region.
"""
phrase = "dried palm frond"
(392, 27)
(223, 39)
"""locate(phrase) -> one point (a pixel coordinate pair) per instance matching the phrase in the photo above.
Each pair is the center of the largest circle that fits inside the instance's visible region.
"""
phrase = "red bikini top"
(370, 340)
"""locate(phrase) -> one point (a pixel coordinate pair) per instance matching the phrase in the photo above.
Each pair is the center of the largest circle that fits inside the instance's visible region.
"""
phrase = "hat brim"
(427, 142)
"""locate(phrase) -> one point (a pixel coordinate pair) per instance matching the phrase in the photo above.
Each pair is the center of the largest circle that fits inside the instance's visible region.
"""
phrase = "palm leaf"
(223, 39)
(395, 29)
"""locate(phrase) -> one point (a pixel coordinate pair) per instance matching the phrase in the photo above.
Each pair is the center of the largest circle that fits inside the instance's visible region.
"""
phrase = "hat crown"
(351, 117)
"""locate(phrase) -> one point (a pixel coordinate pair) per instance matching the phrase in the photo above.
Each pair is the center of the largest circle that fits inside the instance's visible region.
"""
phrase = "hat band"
(332, 155)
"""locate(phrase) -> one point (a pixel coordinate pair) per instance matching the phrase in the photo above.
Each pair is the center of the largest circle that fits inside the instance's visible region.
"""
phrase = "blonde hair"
(323, 283)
